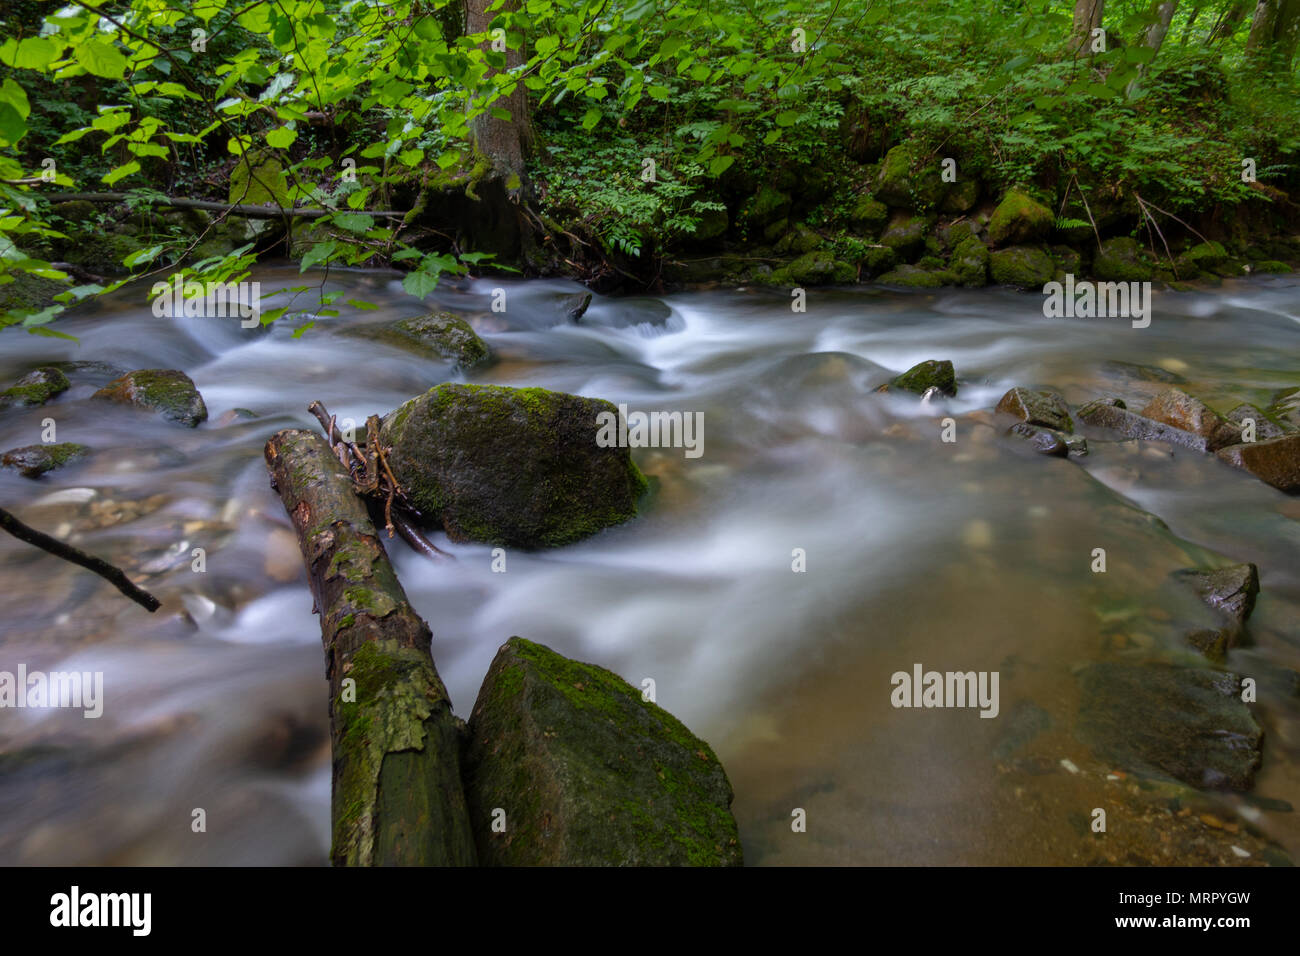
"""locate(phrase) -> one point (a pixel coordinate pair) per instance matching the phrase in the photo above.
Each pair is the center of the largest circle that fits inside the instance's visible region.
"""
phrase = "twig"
(108, 572)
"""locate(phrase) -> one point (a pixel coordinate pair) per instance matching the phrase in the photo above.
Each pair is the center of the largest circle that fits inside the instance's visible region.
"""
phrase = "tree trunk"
(1274, 31)
(1087, 17)
(1162, 11)
(1228, 21)
(503, 142)
(397, 795)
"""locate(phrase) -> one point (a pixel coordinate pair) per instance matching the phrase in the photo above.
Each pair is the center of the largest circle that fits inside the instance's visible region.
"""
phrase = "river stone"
(573, 306)
(32, 461)
(440, 335)
(1103, 414)
(905, 235)
(168, 392)
(1024, 267)
(1037, 408)
(926, 375)
(1175, 407)
(1265, 427)
(587, 772)
(1122, 260)
(1285, 408)
(1042, 440)
(511, 466)
(1185, 723)
(1275, 462)
(35, 388)
(1230, 592)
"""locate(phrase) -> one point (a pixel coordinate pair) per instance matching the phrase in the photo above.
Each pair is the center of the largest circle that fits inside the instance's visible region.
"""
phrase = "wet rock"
(35, 388)
(32, 461)
(1203, 257)
(93, 373)
(911, 277)
(1103, 414)
(1019, 219)
(1025, 721)
(588, 773)
(1042, 440)
(1128, 371)
(1230, 593)
(511, 466)
(1275, 462)
(962, 196)
(1037, 408)
(819, 267)
(1265, 427)
(1186, 723)
(970, 263)
(926, 375)
(1285, 408)
(906, 236)
(1024, 267)
(574, 306)
(904, 184)
(1175, 407)
(878, 260)
(438, 335)
(170, 393)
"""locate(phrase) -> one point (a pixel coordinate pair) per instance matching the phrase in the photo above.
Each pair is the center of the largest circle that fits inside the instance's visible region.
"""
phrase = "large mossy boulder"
(1024, 267)
(868, 216)
(908, 180)
(923, 376)
(437, 335)
(170, 393)
(819, 267)
(511, 466)
(35, 388)
(1122, 260)
(1162, 720)
(768, 206)
(914, 277)
(906, 236)
(1019, 219)
(1035, 407)
(576, 769)
(1202, 257)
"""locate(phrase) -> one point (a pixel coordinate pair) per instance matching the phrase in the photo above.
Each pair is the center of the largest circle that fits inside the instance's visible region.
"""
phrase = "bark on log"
(397, 795)
(244, 210)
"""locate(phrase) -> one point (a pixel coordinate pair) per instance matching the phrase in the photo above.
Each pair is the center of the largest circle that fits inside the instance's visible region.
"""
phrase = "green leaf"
(33, 53)
(591, 118)
(787, 118)
(101, 59)
(353, 221)
(317, 253)
(419, 284)
(720, 165)
(281, 137)
(126, 169)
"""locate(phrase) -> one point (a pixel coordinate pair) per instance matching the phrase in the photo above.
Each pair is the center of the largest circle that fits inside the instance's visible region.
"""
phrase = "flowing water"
(964, 555)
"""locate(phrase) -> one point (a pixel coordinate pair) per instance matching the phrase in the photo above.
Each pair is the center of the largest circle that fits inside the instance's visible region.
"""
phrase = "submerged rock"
(1265, 427)
(926, 375)
(1103, 414)
(170, 393)
(1275, 462)
(587, 772)
(511, 466)
(35, 388)
(1037, 408)
(1042, 440)
(32, 461)
(1175, 407)
(1230, 592)
(574, 306)
(1180, 722)
(440, 335)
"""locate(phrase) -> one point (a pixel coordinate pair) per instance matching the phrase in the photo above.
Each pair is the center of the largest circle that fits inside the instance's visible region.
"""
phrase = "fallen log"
(397, 794)
(246, 210)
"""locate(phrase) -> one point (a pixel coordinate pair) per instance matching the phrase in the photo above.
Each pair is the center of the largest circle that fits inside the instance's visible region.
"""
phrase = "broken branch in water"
(373, 479)
(114, 575)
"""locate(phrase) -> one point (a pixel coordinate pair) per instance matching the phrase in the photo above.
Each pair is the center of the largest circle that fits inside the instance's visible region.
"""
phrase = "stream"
(964, 555)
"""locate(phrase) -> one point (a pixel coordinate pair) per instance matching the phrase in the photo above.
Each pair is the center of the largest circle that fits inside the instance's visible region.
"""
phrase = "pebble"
(1069, 765)
(66, 496)
(1240, 852)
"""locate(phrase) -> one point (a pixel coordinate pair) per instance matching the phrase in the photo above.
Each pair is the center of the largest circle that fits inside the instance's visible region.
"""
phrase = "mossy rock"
(916, 277)
(769, 205)
(923, 376)
(1018, 219)
(956, 233)
(906, 235)
(1270, 266)
(104, 254)
(587, 772)
(437, 335)
(712, 224)
(799, 240)
(908, 181)
(962, 196)
(970, 263)
(35, 388)
(170, 393)
(32, 461)
(511, 466)
(878, 260)
(868, 216)
(77, 210)
(28, 294)
(1024, 267)
(1202, 257)
(1122, 260)
(819, 267)
(1068, 262)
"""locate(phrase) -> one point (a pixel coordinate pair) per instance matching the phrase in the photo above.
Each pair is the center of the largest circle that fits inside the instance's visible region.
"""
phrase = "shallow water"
(959, 556)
